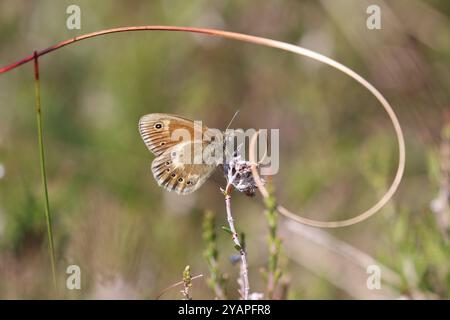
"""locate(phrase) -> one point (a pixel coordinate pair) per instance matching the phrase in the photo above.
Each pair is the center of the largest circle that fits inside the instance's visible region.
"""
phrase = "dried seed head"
(238, 173)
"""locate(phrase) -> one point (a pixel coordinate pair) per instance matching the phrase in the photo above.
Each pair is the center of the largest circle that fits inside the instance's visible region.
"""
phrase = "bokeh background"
(133, 239)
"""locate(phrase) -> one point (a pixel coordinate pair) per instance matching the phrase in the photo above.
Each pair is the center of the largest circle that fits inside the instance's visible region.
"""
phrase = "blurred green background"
(131, 238)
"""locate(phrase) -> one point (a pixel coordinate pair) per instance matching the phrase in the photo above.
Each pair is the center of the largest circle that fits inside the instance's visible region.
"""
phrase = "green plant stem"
(216, 279)
(42, 162)
(274, 242)
(187, 283)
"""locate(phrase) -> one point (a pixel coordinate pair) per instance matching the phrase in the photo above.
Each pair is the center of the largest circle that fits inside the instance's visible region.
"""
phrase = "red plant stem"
(36, 66)
(64, 43)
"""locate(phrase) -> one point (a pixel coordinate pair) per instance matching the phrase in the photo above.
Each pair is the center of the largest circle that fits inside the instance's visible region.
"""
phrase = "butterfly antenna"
(228, 126)
(231, 121)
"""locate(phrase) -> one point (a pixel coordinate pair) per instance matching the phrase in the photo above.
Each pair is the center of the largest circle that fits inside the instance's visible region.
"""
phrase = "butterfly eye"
(189, 182)
(167, 170)
(167, 163)
(158, 126)
(162, 143)
(180, 179)
(173, 175)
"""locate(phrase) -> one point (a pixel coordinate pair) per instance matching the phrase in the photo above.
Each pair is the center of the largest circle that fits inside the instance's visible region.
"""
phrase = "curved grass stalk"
(286, 47)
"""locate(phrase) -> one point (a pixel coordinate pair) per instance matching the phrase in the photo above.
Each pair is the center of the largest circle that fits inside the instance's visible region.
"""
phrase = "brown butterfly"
(170, 168)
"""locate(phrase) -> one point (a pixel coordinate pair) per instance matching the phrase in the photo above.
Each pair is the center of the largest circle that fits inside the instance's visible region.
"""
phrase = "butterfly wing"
(181, 168)
(177, 143)
(161, 131)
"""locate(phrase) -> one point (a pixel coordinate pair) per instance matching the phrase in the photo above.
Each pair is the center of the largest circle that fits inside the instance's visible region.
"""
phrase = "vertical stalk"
(42, 162)
(187, 283)
(273, 271)
(237, 244)
(211, 253)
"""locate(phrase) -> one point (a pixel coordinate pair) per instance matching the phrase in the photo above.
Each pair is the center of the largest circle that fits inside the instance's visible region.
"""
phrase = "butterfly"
(180, 165)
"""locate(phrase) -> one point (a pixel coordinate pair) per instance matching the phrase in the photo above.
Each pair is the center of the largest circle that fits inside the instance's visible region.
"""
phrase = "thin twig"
(42, 162)
(234, 235)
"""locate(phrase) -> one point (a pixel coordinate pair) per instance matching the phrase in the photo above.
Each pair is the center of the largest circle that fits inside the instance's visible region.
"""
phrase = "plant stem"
(187, 283)
(274, 242)
(216, 279)
(234, 235)
(42, 162)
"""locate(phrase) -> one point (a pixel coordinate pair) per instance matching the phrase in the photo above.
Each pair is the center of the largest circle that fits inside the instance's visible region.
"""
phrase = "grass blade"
(42, 162)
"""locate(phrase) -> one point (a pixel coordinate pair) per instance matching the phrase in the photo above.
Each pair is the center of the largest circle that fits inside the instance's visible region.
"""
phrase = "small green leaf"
(227, 230)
